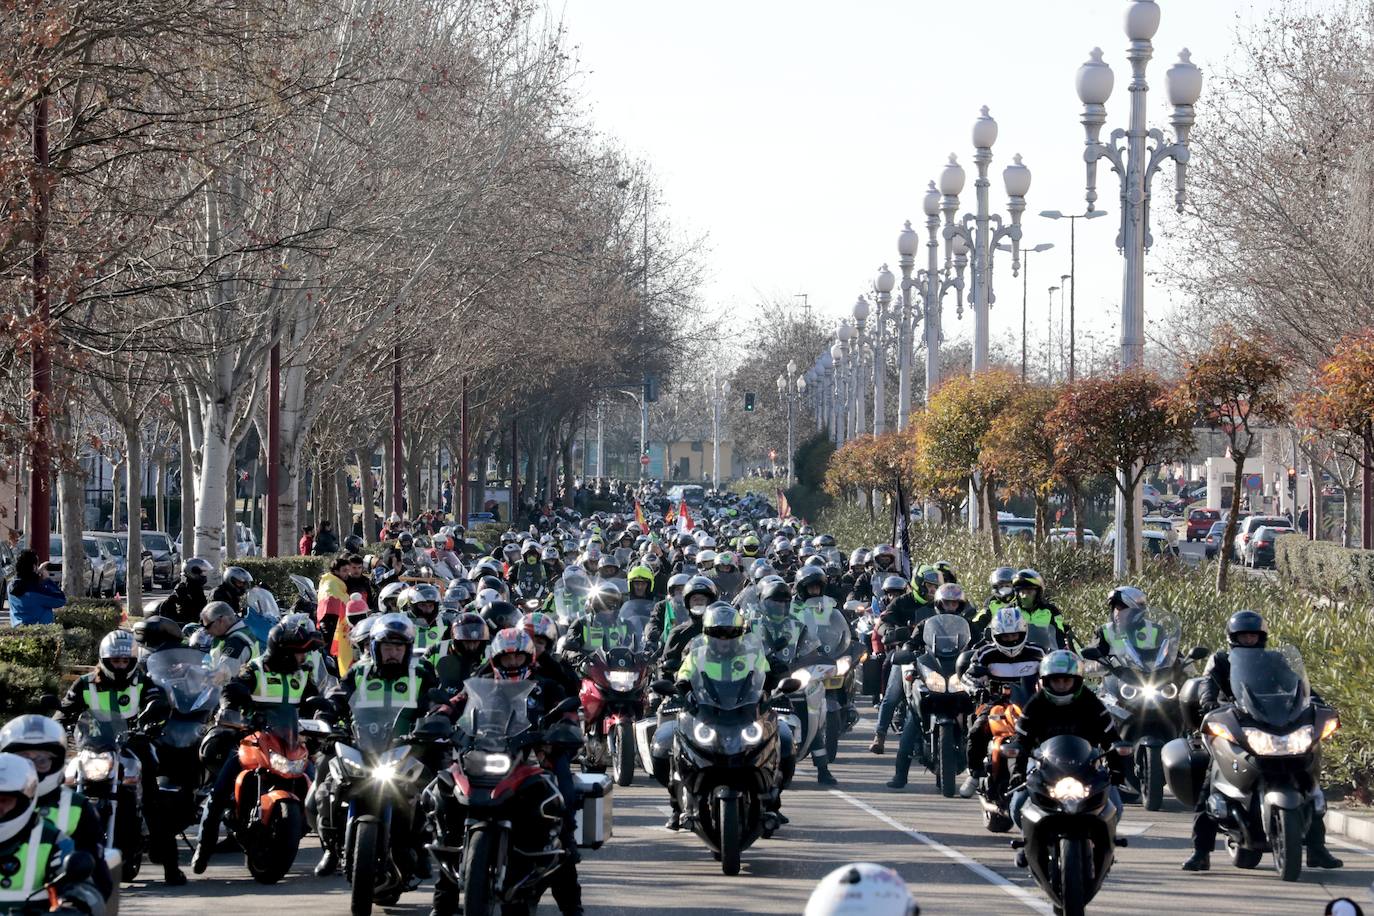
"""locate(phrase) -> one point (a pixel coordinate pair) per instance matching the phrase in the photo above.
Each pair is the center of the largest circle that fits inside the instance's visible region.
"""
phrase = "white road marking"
(1133, 829)
(1020, 894)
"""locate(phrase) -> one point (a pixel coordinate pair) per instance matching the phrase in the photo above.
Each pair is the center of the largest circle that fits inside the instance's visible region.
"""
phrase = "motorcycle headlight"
(1128, 692)
(934, 680)
(96, 767)
(803, 677)
(1267, 744)
(284, 764)
(1330, 727)
(1169, 691)
(703, 733)
(622, 680)
(753, 733)
(384, 772)
(488, 764)
(843, 665)
(1068, 789)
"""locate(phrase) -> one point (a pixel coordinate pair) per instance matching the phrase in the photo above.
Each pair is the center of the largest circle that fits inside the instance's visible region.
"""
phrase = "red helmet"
(506, 646)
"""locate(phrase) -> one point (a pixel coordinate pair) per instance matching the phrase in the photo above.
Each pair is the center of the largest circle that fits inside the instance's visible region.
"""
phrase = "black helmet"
(240, 578)
(946, 571)
(157, 632)
(1246, 622)
(700, 585)
(500, 615)
(353, 544)
(196, 570)
(808, 576)
(774, 596)
(283, 642)
(605, 598)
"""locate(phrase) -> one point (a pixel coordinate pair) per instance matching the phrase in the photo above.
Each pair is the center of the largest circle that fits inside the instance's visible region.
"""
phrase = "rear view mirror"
(663, 687)
(789, 685)
(903, 657)
(1199, 653)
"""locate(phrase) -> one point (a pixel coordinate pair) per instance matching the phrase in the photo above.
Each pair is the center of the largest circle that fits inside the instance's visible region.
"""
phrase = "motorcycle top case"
(594, 815)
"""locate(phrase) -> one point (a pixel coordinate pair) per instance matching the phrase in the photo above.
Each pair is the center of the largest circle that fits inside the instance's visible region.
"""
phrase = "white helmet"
(17, 777)
(389, 591)
(37, 733)
(862, 889)
(1009, 630)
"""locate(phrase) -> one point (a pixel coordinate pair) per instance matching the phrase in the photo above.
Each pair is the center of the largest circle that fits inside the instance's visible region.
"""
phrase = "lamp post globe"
(907, 240)
(1095, 80)
(1017, 178)
(1183, 81)
(984, 131)
(931, 205)
(952, 177)
(860, 310)
(886, 282)
(1142, 20)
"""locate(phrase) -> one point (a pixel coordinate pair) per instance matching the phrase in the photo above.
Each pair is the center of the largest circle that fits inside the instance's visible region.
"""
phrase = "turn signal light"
(1330, 727)
(1218, 730)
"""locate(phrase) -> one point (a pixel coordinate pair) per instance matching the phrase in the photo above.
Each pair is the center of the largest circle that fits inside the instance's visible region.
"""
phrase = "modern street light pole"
(883, 284)
(1136, 164)
(1049, 335)
(1073, 219)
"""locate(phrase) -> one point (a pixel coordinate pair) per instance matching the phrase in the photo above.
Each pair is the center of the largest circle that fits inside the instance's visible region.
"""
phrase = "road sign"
(644, 461)
(1253, 482)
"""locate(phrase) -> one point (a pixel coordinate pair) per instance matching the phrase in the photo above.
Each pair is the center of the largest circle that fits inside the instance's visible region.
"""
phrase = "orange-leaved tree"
(1340, 401)
(1018, 450)
(1121, 424)
(1238, 386)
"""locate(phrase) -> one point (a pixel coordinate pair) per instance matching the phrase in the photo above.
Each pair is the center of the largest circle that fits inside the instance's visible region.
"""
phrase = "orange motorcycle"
(1002, 707)
(267, 817)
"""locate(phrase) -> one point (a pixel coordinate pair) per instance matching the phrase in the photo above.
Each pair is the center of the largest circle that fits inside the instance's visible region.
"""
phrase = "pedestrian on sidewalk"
(327, 541)
(307, 543)
(33, 596)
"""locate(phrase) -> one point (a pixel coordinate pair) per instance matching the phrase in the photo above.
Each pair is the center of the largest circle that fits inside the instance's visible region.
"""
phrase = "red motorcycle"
(614, 684)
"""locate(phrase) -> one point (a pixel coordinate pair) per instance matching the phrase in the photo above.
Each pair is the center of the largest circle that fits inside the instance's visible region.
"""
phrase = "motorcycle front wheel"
(621, 742)
(479, 896)
(366, 839)
(1152, 779)
(949, 761)
(1074, 866)
(270, 863)
(727, 818)
(1286, 833)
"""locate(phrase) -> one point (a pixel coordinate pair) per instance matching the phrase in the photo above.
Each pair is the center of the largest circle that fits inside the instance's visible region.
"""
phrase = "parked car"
(1212, 540)
(247, 544)
(166, 557)
(57, 562)
(1161, 524)
(1151, 496)
(1017, 527)
(145, 562)
(1067, 536)
(1262, 544)
(1153, 545)
(109, 562)
(1240, 550)
(7, 570)
(1200, 522)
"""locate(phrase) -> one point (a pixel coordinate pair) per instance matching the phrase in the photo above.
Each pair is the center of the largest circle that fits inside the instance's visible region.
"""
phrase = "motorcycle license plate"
(834, 683)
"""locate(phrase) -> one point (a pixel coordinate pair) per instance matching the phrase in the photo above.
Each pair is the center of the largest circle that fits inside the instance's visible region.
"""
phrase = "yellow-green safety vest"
(401, 693)
(33, 859)
(726, 670)
(427, 636)
(1146, 638)
(106, 703)
(270, 687)
(66, 814)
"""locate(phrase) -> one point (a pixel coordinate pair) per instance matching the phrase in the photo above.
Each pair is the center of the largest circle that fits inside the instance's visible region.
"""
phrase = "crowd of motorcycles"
(713, 659)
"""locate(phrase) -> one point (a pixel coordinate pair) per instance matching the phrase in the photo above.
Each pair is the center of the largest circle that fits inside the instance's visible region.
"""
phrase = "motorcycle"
(637, 611)
(110, 775)
(726, 750)
(613, 698)
(1265, 760)
(267, 814)
(785, 642)
(935, 690)
(1069, 822)
(568, 603)
(508, 807)
(1002, 704)
(377, 775)
(1141, 692)
(834, 640)
(192, 683)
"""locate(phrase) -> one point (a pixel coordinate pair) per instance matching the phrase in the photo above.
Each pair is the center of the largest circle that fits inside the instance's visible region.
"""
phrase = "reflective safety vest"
(107, 703)
(725, 670)
(66, 814)
(374, 691)
(1144, 639)
(597, 636)
(427, 636)
(270, 687)
(19, 885)
(1043, 617)
(234, 640)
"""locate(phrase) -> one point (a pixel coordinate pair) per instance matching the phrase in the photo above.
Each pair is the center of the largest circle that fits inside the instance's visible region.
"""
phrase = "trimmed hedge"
(32, 646)
(274, 574)
(1323, 568)
(97, 616)
(22, 687)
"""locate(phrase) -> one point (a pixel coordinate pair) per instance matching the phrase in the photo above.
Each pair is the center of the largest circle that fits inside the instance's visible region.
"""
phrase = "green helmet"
(1061, 663)
(640, 574)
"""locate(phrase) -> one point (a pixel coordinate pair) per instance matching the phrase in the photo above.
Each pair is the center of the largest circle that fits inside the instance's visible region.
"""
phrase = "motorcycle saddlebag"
(594, 816)
(1185, 768)
(871, 675)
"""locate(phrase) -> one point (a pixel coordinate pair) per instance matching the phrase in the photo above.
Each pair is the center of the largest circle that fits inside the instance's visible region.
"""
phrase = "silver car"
(166, 558)
(107, 562)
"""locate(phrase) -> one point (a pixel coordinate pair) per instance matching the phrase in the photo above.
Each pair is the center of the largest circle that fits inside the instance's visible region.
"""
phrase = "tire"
(727, 818)
(621, 741)
(366, 843)
(1285, 840)
(1242, 857)
(996, 821)
(1152, 780)
(899, 719)
(131, 866)
(1074, 873)
(270, 864)
(834, 724)
(948, 773)
(479, 897)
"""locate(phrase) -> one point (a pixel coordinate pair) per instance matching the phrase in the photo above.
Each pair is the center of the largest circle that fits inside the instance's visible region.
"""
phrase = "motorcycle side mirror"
(789, 685)
(1093, 668)
(663, 687)
(1199, 653)
(78, 868)
(903, 657)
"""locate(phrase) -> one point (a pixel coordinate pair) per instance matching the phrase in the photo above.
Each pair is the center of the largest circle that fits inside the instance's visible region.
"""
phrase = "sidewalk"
(1352, 823)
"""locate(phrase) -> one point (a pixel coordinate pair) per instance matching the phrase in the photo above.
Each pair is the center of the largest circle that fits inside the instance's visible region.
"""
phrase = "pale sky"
(799, 135)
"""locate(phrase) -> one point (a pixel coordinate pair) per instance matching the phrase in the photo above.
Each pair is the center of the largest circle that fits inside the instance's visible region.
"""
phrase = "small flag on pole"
(684, 517)
(639, 517)
(784, 507)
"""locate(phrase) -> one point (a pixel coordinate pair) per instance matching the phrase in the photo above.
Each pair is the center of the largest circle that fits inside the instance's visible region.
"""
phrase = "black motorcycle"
(726, 748)
(1069, 822)
(192, 682)
(942, 698)
(1265, 760)
(1144, 676)
(108, 773)
(498, 814)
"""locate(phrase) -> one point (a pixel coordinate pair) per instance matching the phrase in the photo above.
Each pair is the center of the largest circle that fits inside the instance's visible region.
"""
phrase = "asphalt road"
(937, 844)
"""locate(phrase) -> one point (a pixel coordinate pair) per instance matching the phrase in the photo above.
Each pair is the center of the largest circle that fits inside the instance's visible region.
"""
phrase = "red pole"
(396, 462)
(1367, 493)
(463, 504)
(269, 534)
(514, 471)
(40, 477)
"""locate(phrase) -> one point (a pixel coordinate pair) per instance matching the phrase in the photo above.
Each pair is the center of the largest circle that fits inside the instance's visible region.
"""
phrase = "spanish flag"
(343, 646)
(639, 517)
(784, 508)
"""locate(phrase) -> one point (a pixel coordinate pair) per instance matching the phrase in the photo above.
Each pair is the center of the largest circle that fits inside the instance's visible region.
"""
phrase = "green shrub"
(1335, 644)
(33, 646)
(98, 617)
(274, 574)
(80, 647)
(21, 687)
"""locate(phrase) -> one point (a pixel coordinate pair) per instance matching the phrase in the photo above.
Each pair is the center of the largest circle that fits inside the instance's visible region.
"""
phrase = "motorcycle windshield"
(946, 635)
(1154, 644)
(374, 710)
(99, 733)
(495, 709)
(830, 631)
(190, 678)
(725, 673)
(784, 640)
(281, 721)
(1270, 685)
(833, 557)
(570, 599)
(1042, 635)
(815, 611)
(637, 611)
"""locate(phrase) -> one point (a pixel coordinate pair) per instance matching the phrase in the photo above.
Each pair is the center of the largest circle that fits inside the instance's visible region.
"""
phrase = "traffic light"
(749, 402)
(651, 388)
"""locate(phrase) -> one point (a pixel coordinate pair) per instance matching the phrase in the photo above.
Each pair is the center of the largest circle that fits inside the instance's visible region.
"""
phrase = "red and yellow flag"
(639, 517)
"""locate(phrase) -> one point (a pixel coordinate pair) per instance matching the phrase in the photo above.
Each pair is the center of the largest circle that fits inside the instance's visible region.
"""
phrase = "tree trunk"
(188, 487)
(231, 513)
(343, 505)
(215, 463)
(364, 459)
(133, 577)
(413, 462)
(1347, 499)
(160, 492)
(568, 482)
(1042, 516)
(1132, 554)
(1076, 501)
(71, 485)
(990, 515)
(1232, 523)
(289, 503)
(388, 466)
(116, 491)
(479, 484)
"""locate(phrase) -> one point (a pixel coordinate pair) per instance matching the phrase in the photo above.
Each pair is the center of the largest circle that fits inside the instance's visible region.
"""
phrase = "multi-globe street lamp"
(720, 396)
(791, 389)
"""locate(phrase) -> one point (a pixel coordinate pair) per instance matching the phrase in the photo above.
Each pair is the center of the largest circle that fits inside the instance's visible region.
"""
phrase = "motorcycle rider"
(119, 687)
(1127, 606)
(902, 611)
(233, 587)
(232, 638)
(601, 626)
(187, 600)
(699, 594)
(543, 630)
(32, 849)
(857, 579)
(1000, 595)
(391, 672)
(527, 574)
(640, 583)
(949, 599)
(946, 571)
(467, 643)
(1244, 630)
(1001, 660)
(667, 612)
(421, 603)
(883, 561)
(44, 743)
(1062, 707)
(277, 676)
(1030, 598)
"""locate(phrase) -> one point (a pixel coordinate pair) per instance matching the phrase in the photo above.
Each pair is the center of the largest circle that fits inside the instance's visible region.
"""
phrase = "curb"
(1359, 828)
